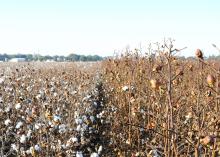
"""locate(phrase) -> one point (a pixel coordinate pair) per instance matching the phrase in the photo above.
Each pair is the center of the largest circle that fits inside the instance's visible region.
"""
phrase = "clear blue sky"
(102, 26)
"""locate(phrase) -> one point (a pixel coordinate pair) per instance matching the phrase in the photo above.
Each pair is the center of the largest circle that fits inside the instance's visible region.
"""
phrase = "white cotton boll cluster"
(7, 122)
(18, 106)
(37, 126)
(23, 139)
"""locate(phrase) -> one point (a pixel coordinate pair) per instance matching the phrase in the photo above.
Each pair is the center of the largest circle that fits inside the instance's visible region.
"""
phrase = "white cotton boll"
(56, 118)
(137, 154)
(62, 128)
(95, 103)
(100, 149)
(74, 139)
(79, 154)
(2, 80)
(78, 121)
(98, 116)
(18, 125)
(38, 96)
(74, 92)
(94, 155)
(23, 139)
(154, 153)
(55, 94)
(28, 151)
(29, 133)
(37, 148)
(18, 106)
(14, 147)
(31, 149)
(50, 123)
(78, 128)
(92, 118)
(8, 108)
(84, 118)
(7, 122)
(125, 88)
(37, 126)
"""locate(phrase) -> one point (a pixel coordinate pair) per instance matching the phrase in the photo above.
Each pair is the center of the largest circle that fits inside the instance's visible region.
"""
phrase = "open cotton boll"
(29, 133)
(23, 139)
(18, 125)
(56, 118)
(7, 122)
(2, 80)
(37, 148)
(62, 128)
(78, 128)
(125, 88)
(74, 139)
(18, 106)
(92, 118)
(100, 149)
(79, 154)
(78, 121)
(14, 147)
(8, 109)
(37, 126)
(94, 155)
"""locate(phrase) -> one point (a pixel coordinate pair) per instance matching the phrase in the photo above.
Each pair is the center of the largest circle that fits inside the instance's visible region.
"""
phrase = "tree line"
(60, 58)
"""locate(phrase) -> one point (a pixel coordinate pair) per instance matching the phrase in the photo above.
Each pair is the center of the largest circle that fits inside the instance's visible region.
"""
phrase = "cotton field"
(129, 106)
